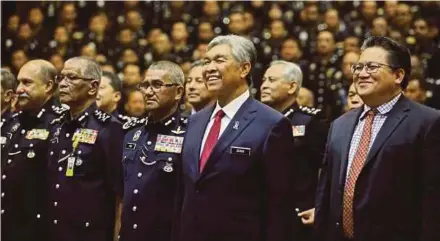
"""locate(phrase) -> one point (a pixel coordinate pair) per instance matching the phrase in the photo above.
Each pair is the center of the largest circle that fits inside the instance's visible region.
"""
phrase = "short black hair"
(115, 81)
(399, 56)
(8, 80)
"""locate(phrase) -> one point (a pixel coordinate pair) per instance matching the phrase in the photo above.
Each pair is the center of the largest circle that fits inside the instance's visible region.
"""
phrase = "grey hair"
(173, 70)
(243, 50)
(8, 80)
(292, 72)
(45, 68)
(198, 63)
(90, 68)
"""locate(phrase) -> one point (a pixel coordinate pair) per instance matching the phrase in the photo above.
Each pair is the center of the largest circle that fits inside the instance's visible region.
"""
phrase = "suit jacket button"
(198, 191)
(337, 224)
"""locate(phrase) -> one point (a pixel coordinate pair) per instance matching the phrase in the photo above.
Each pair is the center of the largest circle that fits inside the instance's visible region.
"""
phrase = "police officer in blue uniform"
(8, 86)
(23, 156)
(151, 157)
(85, 182)
(281, 84)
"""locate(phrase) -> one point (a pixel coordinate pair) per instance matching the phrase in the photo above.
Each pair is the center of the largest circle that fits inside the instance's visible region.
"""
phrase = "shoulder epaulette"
(309, 110)
(133, 121)
(102, 116)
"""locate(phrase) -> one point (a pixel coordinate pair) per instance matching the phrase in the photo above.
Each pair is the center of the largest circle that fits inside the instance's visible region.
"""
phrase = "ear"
(94, 84)
(179, 93)
(49, 87)
(9, 95)
(400, 74)
(293, 86)
(245, 70)
(117, 96)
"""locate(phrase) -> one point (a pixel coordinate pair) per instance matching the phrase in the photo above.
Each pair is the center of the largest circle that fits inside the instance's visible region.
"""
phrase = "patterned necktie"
(355, 168)
(212, 138)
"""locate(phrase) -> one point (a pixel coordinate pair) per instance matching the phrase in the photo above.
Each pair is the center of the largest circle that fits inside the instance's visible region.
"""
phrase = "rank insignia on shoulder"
(15, 127)
(310, 110)
(178, 131)
(102, 116)
(299, 130)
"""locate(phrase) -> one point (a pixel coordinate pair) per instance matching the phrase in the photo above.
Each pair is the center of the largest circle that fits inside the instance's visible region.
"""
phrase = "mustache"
(23, 95)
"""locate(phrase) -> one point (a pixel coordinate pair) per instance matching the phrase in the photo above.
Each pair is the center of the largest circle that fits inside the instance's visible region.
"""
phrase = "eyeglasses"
(70, 77)
(155, 85)
(371, 67)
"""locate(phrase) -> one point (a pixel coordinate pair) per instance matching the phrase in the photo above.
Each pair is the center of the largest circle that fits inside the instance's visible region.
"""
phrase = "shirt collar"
(382, 109)
(232, 108)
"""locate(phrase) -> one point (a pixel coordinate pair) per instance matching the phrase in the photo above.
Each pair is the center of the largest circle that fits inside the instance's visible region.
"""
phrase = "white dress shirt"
(378, 121)
(230, 110)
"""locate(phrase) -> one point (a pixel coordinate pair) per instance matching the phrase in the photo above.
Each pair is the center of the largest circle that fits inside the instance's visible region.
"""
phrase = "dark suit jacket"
(397, 193)
(239, 196)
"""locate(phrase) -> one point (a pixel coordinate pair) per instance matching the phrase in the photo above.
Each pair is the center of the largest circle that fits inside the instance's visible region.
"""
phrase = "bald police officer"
(85, 153)
(152, 156)
(281, 84)
(23, 156)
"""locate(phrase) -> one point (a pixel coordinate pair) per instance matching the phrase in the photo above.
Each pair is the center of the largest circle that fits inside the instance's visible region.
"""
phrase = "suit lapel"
(199, 126)
(397, 114)
(350, 123)
(243, 117)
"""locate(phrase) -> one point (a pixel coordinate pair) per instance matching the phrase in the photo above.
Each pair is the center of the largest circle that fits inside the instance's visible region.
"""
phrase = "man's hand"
(307, 217)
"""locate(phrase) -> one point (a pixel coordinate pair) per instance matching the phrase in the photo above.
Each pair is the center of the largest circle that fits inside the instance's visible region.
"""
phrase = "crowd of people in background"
(322, 37)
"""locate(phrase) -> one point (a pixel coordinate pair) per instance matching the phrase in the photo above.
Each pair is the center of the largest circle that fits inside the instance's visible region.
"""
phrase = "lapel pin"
(236, 125)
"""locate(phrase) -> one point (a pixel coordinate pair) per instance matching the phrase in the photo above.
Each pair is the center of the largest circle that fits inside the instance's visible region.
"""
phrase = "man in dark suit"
(380, 179)
(237, 162)
(281, 84)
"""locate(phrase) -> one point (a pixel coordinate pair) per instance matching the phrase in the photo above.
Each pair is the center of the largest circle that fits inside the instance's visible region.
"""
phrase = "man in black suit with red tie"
(237, 163)
(380, 179)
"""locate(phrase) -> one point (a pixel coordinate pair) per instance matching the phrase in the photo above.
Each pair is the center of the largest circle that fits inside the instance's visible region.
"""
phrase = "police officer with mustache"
(23, 156)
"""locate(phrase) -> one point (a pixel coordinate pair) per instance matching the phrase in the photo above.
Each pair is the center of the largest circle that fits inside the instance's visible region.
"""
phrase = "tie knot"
(220, 114)
(372, 112)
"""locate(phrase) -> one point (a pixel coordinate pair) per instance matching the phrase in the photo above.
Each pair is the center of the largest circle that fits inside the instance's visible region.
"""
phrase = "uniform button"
(60, 169)
(57, 186)
(3, 211)
(9, 161)
(3, 194)
(67, 135)
(87, 224)
(135, 226)
(31, 145)
(51, 153)
(140, 174)
(135, 191)
(55, 221)
(148, 142)
(170, 159)
(38, 216)
(134, 208)
(337, 224)
(63, 152)
(16, 145)
(55, 204)
(23, 131)
(79, 152)
(3, 176)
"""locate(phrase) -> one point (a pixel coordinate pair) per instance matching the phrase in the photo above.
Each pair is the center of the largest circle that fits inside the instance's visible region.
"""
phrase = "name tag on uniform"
(165, 143)
(40, 134)
(3, 140)
(244, 151)
(86, 135)
(299, 130)
(130, 145)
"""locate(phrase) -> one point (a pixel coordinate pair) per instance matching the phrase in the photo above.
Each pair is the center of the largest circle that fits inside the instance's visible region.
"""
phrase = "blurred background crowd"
(324, 38)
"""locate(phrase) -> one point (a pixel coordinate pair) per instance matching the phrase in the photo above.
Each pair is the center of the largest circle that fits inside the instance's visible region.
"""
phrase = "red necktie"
(212, 138)
(355, 169)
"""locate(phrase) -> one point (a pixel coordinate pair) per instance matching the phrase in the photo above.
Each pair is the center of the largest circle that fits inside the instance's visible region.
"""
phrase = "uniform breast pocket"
(85, 163)
(166, 162)
(128, 163)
